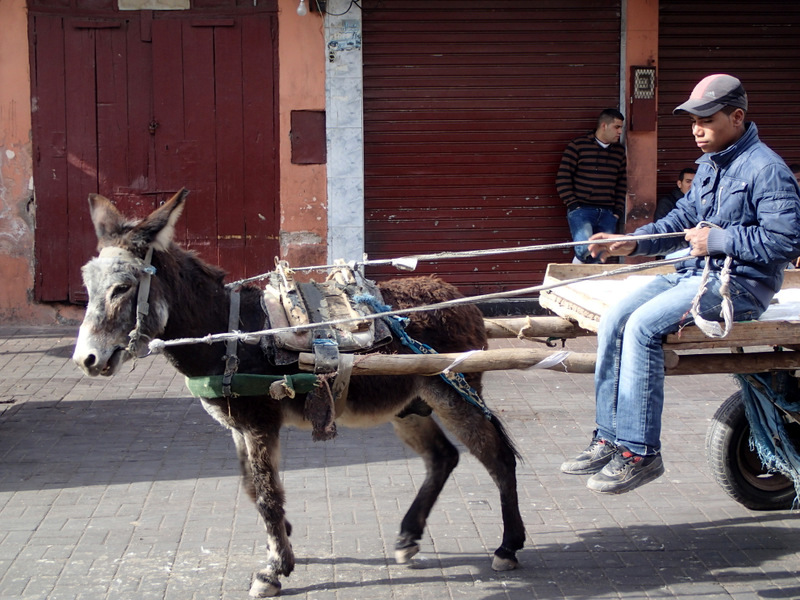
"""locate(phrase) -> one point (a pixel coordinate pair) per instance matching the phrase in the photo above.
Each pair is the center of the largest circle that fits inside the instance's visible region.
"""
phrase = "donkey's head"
(123, 312)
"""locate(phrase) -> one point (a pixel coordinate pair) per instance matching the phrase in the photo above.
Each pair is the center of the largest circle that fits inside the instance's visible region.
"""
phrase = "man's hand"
(698, 239)
(621, 248)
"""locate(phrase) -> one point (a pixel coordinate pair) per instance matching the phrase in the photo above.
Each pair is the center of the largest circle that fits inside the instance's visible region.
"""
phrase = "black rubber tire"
(737, 468)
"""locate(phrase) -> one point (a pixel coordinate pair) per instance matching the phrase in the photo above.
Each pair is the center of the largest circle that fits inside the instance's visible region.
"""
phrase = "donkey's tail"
(504, 436)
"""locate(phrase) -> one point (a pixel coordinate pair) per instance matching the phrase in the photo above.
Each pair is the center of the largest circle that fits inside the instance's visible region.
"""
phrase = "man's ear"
(738, 116)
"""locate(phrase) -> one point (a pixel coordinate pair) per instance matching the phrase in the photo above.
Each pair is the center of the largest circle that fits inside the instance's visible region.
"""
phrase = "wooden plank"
(199, 150)
(572, 362)
(168, 105)
(755, 362)
(533, 327)
(230, 208)
(112, 113)
(747, 333)
(82, 167)
(50, 158)
(140, 177)
(481, 360)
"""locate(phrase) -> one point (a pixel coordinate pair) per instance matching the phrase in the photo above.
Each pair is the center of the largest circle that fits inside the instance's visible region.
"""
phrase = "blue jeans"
(584, 222)
(629, 374)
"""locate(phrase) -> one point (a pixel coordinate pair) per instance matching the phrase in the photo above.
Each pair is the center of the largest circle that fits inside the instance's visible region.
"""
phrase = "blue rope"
(397, 325)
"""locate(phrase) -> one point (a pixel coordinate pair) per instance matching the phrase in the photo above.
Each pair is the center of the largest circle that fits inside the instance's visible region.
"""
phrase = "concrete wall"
(304, 202)
(345, 105)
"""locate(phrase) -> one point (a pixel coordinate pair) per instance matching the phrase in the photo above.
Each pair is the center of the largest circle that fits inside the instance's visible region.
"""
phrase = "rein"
(409, 263)
(158, 345)
(232, 337)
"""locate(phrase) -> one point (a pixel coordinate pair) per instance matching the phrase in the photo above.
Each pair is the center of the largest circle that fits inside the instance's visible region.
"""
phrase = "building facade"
(389, 127)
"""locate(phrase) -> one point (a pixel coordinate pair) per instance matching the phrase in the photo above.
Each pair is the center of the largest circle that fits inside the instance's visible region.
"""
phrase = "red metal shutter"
(468, 106)
(758, 42)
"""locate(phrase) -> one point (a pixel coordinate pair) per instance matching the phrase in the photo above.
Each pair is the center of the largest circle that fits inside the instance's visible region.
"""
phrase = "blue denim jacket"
(749, 192)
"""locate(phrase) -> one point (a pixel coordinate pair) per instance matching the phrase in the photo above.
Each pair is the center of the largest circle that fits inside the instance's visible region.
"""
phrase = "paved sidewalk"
(124, 488)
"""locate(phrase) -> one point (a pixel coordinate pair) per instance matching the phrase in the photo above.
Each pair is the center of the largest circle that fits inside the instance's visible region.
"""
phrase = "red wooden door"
(136, 106)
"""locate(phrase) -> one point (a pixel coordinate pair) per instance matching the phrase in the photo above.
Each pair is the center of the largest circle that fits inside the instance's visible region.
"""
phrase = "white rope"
(556, 358)
(158, 345)
(409, 263)
(713, 328)
(458, 361)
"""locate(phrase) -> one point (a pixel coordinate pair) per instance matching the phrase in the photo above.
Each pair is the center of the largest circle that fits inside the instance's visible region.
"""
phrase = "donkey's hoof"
(404, 555)
(504, 564)
(265, 586)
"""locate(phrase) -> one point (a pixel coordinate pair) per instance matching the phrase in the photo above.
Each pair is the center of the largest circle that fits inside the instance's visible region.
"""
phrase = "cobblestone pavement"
(124, 488)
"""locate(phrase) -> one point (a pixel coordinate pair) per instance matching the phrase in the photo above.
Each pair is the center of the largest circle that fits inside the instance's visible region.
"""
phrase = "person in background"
(592, 181)
(667, 203)
(740, 220)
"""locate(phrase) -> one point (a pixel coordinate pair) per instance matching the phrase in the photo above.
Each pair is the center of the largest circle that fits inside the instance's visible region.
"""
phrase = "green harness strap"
(246, 384)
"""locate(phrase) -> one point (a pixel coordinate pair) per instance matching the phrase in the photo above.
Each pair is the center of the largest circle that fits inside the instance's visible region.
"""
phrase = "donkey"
(187, 298)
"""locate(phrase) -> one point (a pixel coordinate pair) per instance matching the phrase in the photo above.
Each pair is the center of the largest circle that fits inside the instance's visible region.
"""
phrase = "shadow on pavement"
(54, 445)
(639, 561)
(72, 444)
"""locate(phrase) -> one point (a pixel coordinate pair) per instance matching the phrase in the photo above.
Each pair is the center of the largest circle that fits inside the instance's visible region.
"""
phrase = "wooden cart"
(771, 344)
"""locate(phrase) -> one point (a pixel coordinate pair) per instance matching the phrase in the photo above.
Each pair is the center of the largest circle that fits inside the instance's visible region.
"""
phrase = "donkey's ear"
(158, 229)
(105, 216)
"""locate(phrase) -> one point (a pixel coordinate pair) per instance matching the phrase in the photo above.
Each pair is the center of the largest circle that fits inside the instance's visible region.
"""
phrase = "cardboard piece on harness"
(289, 303)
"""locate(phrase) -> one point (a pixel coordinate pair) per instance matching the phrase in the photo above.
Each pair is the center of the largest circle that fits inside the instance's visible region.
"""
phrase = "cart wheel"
(737, 468)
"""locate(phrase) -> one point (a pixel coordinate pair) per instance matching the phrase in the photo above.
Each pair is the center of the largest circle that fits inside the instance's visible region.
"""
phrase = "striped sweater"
(590, 175)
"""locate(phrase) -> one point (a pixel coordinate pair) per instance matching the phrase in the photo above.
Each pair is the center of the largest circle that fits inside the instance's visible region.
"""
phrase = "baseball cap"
(714, 93)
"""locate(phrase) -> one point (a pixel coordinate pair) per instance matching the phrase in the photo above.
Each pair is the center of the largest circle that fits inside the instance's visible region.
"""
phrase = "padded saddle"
(289, 303)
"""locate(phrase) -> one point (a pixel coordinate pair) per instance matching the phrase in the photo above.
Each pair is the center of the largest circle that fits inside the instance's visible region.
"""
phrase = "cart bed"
(584, 302)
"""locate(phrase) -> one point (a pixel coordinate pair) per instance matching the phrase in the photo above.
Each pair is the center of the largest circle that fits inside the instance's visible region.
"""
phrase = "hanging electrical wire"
(347, 10)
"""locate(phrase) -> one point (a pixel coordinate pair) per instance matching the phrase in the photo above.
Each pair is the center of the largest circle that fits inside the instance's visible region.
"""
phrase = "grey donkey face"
(113, 280)
(113, 284)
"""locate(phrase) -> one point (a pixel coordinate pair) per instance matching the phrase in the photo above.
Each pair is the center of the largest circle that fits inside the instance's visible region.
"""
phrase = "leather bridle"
(143, 293)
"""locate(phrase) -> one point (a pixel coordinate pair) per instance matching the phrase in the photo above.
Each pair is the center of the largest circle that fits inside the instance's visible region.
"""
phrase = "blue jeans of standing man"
(629, 375)
(584, 222)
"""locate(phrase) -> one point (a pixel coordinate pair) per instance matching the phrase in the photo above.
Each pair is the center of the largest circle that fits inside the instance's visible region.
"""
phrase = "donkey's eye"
(120, 290)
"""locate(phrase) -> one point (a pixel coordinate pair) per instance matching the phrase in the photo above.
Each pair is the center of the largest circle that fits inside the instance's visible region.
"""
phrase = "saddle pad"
(289, 303)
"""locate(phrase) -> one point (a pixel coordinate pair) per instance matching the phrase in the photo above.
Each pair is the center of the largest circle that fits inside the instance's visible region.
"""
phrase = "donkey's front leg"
(263, 452)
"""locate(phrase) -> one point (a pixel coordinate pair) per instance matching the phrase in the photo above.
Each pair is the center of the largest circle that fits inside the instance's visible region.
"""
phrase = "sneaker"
(626, 471)
(591, 460)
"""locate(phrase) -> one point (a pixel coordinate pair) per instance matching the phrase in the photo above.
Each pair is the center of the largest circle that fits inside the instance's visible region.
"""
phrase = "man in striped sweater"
(592, 181)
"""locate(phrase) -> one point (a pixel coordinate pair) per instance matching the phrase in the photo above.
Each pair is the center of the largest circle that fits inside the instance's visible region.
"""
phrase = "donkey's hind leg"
(488, 441)
(423, 435)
